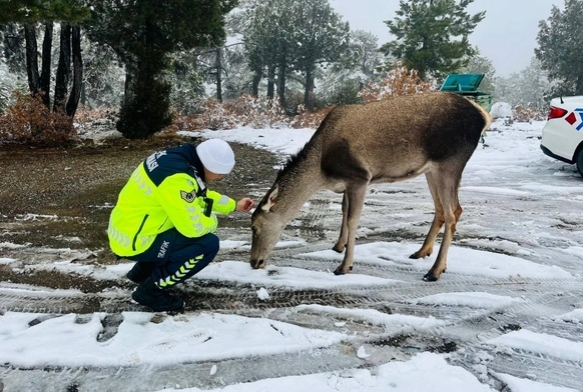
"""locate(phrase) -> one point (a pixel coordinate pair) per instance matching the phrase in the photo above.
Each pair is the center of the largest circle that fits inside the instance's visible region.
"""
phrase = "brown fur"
(386, 141)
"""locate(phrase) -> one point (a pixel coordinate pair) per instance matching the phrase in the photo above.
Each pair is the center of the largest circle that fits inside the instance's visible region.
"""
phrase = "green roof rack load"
(467, 85)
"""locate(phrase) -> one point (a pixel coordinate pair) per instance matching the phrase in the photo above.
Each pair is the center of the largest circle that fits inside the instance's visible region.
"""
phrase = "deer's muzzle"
(256, 264)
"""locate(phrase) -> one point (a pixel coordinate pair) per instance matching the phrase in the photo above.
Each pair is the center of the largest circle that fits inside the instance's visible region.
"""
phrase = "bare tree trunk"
(31, 59)
(281, 87)
(270, 82)
(255, 84)
(63, 69)
(83, 98)
(73, 101)
(128, 85)
(219, 70)
(309, 91)
(45, 75)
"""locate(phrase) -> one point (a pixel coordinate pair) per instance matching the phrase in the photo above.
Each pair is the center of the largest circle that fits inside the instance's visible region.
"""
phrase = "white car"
(562, 136)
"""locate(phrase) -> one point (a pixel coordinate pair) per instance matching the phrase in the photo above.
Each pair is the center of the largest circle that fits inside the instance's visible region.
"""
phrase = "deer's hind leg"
(447, 187)
(438, 220)
(354, 201)
(343, 237)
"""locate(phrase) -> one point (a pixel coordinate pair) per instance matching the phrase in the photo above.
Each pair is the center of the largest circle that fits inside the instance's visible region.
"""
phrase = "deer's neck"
(299, 184)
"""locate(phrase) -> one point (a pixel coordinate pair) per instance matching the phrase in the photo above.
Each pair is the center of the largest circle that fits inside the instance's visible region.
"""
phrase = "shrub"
(398, 81)
(28, 121)
(249, 111)
(307, 119)
(527, 114)
(257, 112)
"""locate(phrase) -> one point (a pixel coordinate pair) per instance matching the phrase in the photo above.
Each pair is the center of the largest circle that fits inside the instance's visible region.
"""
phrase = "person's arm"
(177, 196)
(225, 205)
(221, 203)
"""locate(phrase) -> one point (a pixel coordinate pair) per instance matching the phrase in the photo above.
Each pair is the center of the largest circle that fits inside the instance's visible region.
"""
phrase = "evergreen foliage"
(432, 36)
(173, 58)
(268, 44)
(559, 52)
(187, 81)
(320, 37)
(358, 65)
(32, 14)
(13, 48)
(6, 87)
(283, 36)
(147, 110)
(528, 88)
(103, 77)
(143, 34)
(32, 11)
(482, 65)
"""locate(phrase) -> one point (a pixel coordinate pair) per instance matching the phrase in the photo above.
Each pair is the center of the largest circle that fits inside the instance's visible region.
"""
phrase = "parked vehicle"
(562, 136)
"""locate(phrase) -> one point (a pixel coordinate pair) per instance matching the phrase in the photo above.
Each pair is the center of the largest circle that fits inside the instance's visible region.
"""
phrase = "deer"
(356, 145)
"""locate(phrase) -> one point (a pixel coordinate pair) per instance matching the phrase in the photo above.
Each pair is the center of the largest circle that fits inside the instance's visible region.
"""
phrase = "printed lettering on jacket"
(152, 161)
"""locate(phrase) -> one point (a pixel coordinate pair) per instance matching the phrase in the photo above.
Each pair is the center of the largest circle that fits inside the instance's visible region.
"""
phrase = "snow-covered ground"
(508, 311)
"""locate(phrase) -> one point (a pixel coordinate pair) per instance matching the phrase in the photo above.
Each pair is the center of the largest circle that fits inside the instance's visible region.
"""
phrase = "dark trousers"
(177, 257)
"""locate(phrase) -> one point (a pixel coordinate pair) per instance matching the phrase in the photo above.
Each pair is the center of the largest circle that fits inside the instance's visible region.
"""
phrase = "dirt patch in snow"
(56, 198)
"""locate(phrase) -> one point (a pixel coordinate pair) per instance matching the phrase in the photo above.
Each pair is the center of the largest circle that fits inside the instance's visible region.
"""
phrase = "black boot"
(159, 300)
(140, 272)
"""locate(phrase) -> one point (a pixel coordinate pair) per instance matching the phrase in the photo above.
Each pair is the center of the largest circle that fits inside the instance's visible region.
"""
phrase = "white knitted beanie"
(216, 156)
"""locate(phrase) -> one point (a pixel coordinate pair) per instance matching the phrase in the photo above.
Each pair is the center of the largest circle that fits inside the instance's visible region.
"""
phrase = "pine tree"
(527, 88)
(341, 82)
(268, 44)
(432, 35)
(143, 34)
(283, 36)
(320, 37)
(31, 14)
(559, 39)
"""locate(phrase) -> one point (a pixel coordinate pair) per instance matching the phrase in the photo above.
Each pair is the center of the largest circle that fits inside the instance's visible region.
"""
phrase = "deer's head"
(267, 224)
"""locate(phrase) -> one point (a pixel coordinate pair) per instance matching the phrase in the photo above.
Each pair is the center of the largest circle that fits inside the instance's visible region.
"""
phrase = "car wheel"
(579, 162)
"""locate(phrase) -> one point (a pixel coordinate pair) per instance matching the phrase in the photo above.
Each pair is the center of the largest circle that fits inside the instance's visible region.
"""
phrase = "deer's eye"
(254, 229)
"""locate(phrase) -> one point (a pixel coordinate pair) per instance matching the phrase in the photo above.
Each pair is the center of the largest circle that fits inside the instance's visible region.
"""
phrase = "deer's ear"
(271, 199)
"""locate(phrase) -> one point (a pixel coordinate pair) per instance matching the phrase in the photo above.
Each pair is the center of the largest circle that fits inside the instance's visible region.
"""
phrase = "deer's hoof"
(338, 248)
(429, 277)
(338, 271)
(420, 255)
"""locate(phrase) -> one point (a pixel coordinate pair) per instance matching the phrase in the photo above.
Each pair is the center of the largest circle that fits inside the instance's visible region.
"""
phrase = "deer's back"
(398, 136)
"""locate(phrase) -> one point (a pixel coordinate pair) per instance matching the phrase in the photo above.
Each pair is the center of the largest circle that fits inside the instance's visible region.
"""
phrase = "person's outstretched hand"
(245, 204)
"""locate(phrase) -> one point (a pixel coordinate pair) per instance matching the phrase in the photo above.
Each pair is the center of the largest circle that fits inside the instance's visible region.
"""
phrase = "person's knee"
(211, 244)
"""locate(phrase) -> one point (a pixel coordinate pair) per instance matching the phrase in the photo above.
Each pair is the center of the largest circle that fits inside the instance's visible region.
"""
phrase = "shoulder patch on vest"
(188, 196)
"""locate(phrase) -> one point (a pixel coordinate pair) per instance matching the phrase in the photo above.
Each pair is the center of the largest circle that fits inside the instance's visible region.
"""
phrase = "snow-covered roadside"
(504, 174)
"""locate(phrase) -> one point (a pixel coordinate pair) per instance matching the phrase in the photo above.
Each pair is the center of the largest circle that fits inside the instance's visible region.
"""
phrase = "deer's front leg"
(355, 195)
(343, 238)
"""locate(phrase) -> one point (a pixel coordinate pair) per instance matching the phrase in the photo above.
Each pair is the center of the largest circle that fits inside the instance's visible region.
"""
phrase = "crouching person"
(165, 220)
